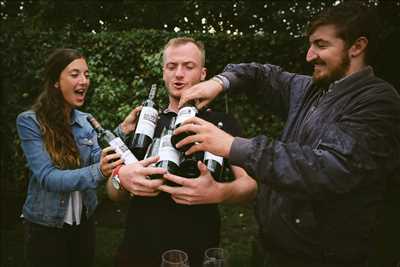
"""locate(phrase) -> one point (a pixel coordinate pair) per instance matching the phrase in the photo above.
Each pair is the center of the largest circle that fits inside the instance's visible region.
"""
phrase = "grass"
(237, 235)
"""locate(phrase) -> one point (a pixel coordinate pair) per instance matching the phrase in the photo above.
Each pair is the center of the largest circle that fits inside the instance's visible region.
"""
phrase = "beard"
(334, 74)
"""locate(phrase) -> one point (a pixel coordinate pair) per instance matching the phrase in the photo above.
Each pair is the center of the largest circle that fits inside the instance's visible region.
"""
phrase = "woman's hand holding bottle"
(109, 160)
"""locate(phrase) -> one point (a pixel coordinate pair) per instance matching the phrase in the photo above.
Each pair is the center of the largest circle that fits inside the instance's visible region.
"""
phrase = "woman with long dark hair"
(66, 165)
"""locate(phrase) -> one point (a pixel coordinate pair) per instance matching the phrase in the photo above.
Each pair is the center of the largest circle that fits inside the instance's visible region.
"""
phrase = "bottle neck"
(95, 124)
(153, 92)
(100, 130)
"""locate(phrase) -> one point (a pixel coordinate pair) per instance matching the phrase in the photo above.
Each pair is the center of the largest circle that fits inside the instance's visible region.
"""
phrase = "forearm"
(294, 168)
(267, 85)
(56, 180)
(243, 189)
(115, 195)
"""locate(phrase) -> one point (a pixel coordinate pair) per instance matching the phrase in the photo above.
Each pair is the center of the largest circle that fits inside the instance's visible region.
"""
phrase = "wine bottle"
(146, 125)
(188, 111)
(188, 166)
(169, 156)
(153, 149)
(214, 163)
(107, 138)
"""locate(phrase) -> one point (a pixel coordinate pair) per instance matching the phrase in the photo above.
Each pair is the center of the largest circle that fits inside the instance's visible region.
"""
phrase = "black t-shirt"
(156, 224)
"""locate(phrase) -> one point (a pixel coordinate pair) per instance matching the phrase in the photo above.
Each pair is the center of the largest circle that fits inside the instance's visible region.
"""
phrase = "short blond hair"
(185, 40)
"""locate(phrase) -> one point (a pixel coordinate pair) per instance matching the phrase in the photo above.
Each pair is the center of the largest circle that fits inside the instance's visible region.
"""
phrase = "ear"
(358, 47)
(203, 74)
(56, 85)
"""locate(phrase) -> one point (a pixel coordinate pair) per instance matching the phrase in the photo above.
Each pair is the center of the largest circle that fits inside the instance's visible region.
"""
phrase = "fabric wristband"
(115, 171)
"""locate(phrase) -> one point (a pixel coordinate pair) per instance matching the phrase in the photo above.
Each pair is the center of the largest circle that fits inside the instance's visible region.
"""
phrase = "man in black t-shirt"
(184, 217)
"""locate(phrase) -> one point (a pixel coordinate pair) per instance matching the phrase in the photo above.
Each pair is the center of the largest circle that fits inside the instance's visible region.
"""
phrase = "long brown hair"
(52, 114)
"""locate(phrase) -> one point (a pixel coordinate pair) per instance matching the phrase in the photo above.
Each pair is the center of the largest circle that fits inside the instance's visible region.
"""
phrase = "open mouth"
(179, 85)
(80, 92)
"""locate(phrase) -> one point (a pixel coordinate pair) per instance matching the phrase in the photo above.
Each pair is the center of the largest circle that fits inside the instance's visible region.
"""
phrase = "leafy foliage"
(123, 40)
(125, 60)
(123, 65)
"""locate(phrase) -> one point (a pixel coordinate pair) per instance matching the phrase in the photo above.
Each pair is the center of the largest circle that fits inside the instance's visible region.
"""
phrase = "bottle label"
(147, 121)
(167, 151)
(123, 150)
(211, 156)
(184, 114)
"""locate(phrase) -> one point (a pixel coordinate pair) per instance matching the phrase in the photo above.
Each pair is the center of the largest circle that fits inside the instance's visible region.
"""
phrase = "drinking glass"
(175, 258)
(215, 257)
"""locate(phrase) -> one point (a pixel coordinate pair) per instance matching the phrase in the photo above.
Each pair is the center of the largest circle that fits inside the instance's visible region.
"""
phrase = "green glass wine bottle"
(108, 138)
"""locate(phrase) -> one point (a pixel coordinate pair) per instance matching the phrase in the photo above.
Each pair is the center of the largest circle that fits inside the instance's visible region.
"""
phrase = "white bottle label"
(211, 156)
(167, 151)
(184, 114)
(123, 150)
(147, 121)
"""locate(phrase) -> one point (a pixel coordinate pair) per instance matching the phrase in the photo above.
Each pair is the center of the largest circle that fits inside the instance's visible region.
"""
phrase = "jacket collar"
(368, 71)
(77, 118)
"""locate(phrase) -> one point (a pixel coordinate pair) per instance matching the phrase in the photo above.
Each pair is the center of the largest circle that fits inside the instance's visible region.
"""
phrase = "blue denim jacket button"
(86, 141)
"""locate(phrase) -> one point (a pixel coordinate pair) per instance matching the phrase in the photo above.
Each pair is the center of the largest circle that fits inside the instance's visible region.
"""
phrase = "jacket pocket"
(85, 146)
(288, 224)
(298, 215)
(86, 141)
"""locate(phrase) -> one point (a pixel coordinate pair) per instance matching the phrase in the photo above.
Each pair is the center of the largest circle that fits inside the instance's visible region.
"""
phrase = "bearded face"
(325, 72)
(328, 54)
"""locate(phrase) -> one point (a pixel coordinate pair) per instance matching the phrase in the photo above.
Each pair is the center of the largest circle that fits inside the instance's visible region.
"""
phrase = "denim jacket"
(49, 187)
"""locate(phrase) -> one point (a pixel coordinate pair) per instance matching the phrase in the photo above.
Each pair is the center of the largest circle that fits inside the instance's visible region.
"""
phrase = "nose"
(311, 55)
(179, 71)
(83, 79)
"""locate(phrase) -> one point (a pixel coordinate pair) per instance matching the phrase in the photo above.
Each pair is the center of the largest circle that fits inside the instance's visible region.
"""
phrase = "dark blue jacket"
(321, 184)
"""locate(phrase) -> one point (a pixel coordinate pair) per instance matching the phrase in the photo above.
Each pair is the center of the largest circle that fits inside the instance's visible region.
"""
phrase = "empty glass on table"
(215, 257)
(175, 258)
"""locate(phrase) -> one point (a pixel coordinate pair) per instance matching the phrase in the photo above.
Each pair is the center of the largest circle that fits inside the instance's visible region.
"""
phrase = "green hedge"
(123, 65)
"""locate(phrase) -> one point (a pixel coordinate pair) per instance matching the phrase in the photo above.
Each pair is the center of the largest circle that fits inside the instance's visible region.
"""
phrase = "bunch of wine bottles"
(143, 144)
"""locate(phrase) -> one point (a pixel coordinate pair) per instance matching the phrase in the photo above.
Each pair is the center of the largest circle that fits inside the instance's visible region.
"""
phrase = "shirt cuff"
(223, 81)
(96, 173)
(240, 150)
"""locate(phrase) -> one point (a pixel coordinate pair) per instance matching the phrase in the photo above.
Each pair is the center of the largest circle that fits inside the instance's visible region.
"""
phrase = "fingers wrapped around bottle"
(135, 177)
(201, 190)
(129, 123)
(206, 137)
(109, 159)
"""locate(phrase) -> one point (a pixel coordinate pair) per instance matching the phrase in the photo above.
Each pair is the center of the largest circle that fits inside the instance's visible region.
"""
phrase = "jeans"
(70, 246)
